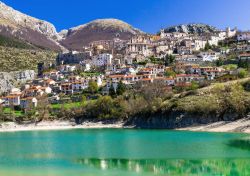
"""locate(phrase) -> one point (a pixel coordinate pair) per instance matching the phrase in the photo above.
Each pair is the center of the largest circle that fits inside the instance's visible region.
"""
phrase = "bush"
(242, 73)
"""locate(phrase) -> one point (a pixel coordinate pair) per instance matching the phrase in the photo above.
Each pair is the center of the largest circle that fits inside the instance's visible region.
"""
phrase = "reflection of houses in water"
(169, 166)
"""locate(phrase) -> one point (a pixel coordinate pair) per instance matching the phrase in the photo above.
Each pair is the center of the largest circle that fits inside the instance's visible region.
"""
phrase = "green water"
(114, 152)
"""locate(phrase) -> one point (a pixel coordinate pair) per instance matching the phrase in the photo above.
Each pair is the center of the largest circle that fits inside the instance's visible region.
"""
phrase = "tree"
(194, 85)
(43, 108)
(207, 46)
(112, 91)
(2, 115)
(93, 87)
(169, 59)
(242, 73)
(121, 88)
(169, 73)
(83, 100)
(219, 62)
(244, 64)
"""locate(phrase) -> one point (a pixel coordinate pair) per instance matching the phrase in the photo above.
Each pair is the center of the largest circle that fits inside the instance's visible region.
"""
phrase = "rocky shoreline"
(239, 126)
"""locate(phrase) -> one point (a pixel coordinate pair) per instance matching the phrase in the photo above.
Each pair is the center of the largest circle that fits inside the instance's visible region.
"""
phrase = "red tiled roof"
(245, 55)
(187, 75)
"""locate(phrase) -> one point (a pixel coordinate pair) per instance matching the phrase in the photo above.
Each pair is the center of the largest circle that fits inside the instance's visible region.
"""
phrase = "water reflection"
(240, 143)
(172, 167)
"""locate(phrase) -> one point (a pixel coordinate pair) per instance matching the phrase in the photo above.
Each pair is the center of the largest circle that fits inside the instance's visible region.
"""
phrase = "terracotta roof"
(66, 84)
(187, 75)
(146, 79)
(245, 55)
(28, 98)
(12, 96)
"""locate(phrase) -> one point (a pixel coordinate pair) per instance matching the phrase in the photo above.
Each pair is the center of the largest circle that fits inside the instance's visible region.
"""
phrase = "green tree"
(169, 73)
(169, 59)
(242, 73)
(121, 88)
(83, 100)
(207, 47)
(112, 91)
(244, 64)
(93, 87)
(194, 85)
(219, 62)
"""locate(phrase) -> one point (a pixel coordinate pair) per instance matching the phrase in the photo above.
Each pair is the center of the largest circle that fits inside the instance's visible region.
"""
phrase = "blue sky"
(147, 15)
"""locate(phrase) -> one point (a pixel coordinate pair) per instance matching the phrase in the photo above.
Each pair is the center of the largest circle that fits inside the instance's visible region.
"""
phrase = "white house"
(102, 60)
(188, 78)
(209, 56)
(139, 45)
(243, 36)
(46, 90)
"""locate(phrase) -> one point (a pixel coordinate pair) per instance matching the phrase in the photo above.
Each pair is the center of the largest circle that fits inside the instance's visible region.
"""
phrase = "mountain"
(18, 25)
(192, 28)
(102, 29)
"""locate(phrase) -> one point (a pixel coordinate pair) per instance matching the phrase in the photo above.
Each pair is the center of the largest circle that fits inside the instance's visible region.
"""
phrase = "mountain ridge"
(100, 29)
(192, 28)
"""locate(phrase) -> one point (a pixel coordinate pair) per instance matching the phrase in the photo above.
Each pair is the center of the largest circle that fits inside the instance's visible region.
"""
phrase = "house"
(67, 88)
(102, 60)
(139, 45)
(243, 36)
(78, 86)
(180, 78)
(183, 50)
(12, 100)
(212, 72)
(167, 81)
(49, 82)
(245, 56)
(188, 59)
(1, 101)
(231, 33)
(46, 90)
(28, 103)
(209, 56)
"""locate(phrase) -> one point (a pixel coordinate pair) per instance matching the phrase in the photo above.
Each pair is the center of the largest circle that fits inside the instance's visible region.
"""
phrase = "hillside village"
(176, 61)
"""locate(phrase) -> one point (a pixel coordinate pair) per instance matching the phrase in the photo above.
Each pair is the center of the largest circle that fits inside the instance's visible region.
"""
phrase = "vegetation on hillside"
(18, 55)
(14, 59)
(15, 43)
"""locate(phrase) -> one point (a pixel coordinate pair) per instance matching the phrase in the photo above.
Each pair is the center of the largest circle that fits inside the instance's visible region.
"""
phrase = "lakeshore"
(238, 126)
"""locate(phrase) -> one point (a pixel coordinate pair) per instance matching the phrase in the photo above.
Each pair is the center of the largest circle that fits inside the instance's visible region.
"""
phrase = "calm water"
(112, 152)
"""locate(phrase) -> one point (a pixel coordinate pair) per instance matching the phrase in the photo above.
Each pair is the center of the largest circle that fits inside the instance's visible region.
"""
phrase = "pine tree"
(121, 88)
(112, 92)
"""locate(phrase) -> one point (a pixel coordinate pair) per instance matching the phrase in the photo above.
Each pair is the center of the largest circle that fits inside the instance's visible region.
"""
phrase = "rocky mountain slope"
(38, 32)
(9, 80)
(192, 28)
(43, 34)
(102, 29)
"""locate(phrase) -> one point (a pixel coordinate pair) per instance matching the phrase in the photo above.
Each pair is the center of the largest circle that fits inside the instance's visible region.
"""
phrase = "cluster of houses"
(63, 81)
(117, 61)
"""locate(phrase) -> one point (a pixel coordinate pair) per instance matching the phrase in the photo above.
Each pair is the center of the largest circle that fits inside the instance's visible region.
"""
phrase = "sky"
(147, 15)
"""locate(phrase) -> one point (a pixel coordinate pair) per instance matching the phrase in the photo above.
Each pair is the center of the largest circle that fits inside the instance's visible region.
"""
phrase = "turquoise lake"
(120, 152)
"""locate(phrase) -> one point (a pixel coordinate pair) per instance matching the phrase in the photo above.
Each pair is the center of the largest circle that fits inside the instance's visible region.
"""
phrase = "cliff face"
(178, 119)
(192, 29)
(38, 32)
(8, 80)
